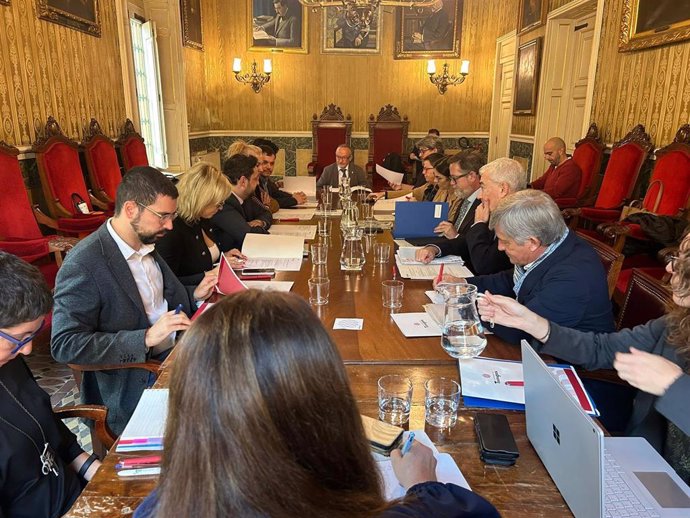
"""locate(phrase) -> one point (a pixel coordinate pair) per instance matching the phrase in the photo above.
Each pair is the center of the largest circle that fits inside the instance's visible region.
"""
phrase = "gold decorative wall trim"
(54, 14)
(527, 139)
(630, 39)
(359, 134)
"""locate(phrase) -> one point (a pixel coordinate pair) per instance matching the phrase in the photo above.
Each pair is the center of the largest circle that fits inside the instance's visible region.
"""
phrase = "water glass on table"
(326, 198)
(395, 399)
(319, 253)
(441, 400)
(319, 290)
(382, 252)
(323, 226)
(392, 293)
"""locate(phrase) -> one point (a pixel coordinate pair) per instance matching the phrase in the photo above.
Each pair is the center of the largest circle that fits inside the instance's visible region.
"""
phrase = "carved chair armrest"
(96, 202)
(571, 212)
(98, 413)
(152, 366)
(62, 211)
(615, 232)
(44, 219)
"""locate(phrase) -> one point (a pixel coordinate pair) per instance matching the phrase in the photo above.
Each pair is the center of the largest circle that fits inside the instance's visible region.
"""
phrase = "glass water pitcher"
(463, 333)
(352, 256)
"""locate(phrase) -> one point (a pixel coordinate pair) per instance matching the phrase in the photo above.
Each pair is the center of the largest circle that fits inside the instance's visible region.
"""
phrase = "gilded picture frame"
(82, 16)
(4, 2)
(337, 37)
(651, 23)
(429, 33)
(527, 77)
(268, 32)
(192, 32)
(532, 15)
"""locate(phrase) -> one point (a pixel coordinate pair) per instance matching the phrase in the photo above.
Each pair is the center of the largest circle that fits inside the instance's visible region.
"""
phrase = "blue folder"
(418, 219)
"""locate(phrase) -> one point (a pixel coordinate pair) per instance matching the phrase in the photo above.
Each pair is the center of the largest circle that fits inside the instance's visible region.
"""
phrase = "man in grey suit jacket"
(115, 297)
(343, 165)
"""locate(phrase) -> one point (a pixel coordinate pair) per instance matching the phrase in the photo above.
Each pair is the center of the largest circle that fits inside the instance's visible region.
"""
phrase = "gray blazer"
(598, 350)
(330, 176)
(99, 318)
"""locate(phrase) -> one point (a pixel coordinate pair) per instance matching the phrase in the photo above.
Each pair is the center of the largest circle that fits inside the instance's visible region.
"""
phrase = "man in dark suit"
(283, 29)
(116, 298)
(242, 213)
(478, 246)
(556, 274)
(268, 192)
(343, 166)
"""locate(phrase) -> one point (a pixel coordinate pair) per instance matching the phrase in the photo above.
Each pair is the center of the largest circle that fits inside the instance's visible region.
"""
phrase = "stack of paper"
(492, 383)
(282, 253)
(407, 255)
(303, 231)
(294, 214)
(390, 176)
(447, 471)
(147, 425)
(430, 271)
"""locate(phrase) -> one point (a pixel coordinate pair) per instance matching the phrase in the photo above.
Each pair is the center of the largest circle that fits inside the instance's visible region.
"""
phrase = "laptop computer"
(598, 476)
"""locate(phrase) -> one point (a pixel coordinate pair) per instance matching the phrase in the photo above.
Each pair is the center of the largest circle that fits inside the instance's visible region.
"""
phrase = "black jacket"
(185, 251)
(230, 224)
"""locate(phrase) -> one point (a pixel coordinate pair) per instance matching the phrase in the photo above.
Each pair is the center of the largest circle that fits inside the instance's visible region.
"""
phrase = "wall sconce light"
(255, 79)
(444, 80)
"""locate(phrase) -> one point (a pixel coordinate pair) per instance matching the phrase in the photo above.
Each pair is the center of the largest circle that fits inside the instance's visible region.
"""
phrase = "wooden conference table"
(523, 490)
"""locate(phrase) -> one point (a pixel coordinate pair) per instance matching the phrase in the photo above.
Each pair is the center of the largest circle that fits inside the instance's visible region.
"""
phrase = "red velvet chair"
(131, 147)
(588, 153)
(19, 231)
(627, 157)
(387, 134)
(328, 130)
(645, 299)
(57, 158)
(668, 192)
(101, 164)
(653, 267)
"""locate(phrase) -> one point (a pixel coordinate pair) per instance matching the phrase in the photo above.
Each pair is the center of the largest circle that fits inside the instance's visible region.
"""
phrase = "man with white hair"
(556, 274)
(478, 245)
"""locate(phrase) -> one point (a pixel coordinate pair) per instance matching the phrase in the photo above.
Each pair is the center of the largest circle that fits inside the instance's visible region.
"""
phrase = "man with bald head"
(562, 178)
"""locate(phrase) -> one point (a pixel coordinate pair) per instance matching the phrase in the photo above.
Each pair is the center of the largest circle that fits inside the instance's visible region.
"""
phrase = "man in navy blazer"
(556, 274)
(116, 299)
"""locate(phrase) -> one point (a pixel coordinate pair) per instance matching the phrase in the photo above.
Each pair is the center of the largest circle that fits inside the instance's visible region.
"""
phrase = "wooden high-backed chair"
(387, 134)
(645, 299)
(627, 157)
(101, 164)
(62, 180)
(588, 153)
(328, 131)
(131, 147)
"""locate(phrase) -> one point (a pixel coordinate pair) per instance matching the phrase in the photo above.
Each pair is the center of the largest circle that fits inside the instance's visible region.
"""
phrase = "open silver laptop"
(598, 476)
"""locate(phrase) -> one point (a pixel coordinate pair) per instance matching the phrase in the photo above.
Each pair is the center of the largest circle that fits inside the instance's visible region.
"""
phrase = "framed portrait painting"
(278, 25)
(532, 15)
(650, 23)
(432, 32)
(191, 24)
(81, 15)
(340, 37)
(527, 78)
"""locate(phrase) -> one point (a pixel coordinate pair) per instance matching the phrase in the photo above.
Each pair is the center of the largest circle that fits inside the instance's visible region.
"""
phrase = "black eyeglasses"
(671, 259)
(18, 344)
(454, 179)
(166, 216)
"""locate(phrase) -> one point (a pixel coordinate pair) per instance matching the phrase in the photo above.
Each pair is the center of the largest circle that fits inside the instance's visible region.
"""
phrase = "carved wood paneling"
(303, 84)
(47, 69)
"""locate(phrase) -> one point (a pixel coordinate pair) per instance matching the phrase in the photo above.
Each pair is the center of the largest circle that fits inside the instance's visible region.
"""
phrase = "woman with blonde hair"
(189, 248)
(262, 423)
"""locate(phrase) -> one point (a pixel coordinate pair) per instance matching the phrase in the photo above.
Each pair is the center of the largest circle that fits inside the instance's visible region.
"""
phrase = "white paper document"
(304, 231)
(407, 256)
(416, 325)
(305, 184)
(351, 324)
(435, 297)
(430, 271)
(269, 285)
(146, 427)
(329, 213)
(391, 176)
(447, 471)
(388, 206)
(304, 214)
(402, 243)
(436, 311)
(282, 253)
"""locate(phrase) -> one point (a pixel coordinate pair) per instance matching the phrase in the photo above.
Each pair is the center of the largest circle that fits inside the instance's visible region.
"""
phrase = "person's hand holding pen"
(235, 258)
(414, 466)
(167, 324)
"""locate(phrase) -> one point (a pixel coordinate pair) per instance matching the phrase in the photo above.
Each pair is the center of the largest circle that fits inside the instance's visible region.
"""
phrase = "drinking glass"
(395, 399)
(323, 226)
(463, 334)
(326, 198)
(319, 253)
(441, 400)
(319, 288)
(392, 293)
(382, 252)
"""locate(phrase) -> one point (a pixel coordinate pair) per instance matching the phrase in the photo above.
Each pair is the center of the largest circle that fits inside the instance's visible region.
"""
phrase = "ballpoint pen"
(440, 273)
(408, 444)
(137, 462)
(178, 309)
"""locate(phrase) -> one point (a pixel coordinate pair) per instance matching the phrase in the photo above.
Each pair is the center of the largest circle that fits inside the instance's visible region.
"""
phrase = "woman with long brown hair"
(654, 358)
(262, 422)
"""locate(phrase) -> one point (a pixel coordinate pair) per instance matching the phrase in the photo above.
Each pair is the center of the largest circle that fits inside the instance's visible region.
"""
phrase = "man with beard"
(116, 300)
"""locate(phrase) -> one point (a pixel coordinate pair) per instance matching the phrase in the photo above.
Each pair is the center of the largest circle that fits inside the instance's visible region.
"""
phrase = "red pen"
(440, 273)
(286, 220)
(138, 461)
(256, 277)
(515, 383)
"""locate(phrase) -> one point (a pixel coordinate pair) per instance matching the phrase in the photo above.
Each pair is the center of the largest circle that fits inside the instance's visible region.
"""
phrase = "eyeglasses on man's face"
(454, 178)
(163, 216)
(671, 259)
(18, 344)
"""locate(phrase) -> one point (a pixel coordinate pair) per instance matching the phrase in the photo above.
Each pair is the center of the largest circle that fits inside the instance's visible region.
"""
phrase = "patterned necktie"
(464, 209)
